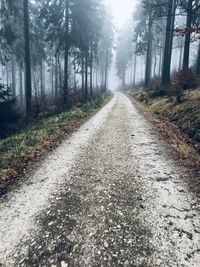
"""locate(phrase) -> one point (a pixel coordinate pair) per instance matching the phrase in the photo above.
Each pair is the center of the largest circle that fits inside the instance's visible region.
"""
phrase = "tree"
(27, 59)
(186, 54)
(125, 52)
(171, 8)
(149, 48)
(66, 52)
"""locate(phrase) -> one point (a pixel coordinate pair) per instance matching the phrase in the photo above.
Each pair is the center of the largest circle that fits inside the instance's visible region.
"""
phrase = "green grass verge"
(21, 150)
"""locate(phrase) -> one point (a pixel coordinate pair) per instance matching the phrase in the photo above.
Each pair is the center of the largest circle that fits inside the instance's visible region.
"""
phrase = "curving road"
(110, 195)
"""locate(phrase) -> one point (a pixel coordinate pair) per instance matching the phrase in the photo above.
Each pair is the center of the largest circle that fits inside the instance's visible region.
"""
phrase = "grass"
(19, 151)
(179, 124)
(185, 115)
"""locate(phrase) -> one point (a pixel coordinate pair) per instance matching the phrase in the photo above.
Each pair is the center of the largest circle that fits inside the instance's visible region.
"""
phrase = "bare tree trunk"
(86, 76)
(21, 86)
(198, 61)
(102, 80)
(160, 61)
(186, 54)
(66, 57)
(27, 59)
(82, 76)
(166, 71)
(180, 57)
(75, 85)
(60, 73)
(135, 67)
(41, 81)
(106, 73)
(56, 76)
(149, 51)
(91, 72)
(155, 63)
(52, 77)
(13, 68)
(96, 79)
(7, 75)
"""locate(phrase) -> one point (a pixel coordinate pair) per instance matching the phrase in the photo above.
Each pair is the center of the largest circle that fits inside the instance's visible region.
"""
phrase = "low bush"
(184, 79)
(9, 116)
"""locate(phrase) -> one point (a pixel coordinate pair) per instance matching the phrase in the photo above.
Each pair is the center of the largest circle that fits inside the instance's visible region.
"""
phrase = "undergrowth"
(178, 123)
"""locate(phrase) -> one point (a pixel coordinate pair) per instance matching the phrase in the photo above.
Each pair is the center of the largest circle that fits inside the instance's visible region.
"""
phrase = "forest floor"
(113, 194)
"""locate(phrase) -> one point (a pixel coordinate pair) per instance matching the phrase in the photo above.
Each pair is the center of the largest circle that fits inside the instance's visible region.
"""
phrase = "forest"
(160, 47)
(53, 55)
(100, 133)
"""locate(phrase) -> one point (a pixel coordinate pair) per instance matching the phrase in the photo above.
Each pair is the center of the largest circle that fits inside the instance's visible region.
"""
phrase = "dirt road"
(109, 196)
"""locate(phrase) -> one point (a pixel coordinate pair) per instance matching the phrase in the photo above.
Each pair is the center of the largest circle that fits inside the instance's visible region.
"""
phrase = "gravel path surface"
(109, 196)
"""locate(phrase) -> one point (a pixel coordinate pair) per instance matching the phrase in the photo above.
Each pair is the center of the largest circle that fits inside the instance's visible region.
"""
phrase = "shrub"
(8, 114)
(184, 79)
(159, 92)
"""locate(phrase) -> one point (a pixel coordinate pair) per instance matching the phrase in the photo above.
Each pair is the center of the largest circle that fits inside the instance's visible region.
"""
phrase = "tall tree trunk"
(28, 88)
(124, 79)
(166, 71)
(91, 72)
(186, 54)
(52, 77)
(160, 61)
(155, 63)
(42, 82)
(7, 75)
(13, 68)
(181, 57)
(60, 73)
(86, 76)
(97, 81)
(66, 57)
(161, 54)
(82, 77)
(56, 76)
(149, 51)
(21, 86)
(134, 70)
(106, 72)
(75, 85)
(198, 61)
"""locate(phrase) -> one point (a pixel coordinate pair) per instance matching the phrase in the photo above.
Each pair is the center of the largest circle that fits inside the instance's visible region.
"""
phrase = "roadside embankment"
(178, 123)
(19, 152)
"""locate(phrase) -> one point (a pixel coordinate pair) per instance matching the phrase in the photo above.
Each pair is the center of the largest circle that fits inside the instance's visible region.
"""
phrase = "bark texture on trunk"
(66, 56)
(28, 88)
(149, 51)
(168, 43)
(186, 54)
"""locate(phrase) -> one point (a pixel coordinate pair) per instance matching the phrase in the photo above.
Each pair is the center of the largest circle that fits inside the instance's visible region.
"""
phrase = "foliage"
(184, 79)
(8, 114)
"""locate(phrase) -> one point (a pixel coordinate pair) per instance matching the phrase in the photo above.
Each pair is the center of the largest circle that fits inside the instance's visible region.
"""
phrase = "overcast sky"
(121, 10)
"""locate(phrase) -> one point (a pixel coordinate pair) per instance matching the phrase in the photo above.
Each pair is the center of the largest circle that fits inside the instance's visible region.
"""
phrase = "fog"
(121, 10)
